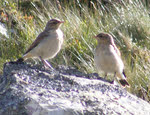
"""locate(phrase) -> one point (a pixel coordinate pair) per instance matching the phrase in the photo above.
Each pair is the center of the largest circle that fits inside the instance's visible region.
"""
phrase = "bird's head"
(104, 38)
(53, 24)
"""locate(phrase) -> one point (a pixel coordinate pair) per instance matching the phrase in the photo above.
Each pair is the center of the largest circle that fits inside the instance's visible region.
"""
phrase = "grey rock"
(33, 90)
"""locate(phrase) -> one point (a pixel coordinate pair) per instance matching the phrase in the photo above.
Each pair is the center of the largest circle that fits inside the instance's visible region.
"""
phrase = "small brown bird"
(47, 44)
(107, 57)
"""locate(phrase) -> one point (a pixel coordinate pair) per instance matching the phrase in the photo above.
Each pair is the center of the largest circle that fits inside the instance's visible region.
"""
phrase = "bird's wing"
(40, 37)
(116, 49)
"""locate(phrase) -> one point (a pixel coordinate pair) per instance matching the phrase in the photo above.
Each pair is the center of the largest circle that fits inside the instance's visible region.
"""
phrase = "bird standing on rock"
(47, 44)
(107, 58)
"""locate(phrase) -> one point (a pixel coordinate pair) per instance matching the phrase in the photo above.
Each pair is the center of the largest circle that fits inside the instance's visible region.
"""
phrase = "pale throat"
(60, 33)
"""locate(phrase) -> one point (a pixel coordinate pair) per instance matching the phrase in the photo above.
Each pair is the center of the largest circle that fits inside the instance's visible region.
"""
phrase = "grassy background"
(127, 22)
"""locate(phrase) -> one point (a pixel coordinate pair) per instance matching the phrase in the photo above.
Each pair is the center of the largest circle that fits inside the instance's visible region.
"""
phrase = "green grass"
(128, 23)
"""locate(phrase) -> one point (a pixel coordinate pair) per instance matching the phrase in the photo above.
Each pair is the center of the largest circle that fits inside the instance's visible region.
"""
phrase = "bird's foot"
(48, 65)
(112, 82)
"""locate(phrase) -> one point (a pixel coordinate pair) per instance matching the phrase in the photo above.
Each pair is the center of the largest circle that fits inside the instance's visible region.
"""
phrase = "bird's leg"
(46, 63)
(105, 76)
(114, 78)
(114, 75)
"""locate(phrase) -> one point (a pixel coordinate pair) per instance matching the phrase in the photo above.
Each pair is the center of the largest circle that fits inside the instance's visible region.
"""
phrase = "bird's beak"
(61, 22)
(95, 37)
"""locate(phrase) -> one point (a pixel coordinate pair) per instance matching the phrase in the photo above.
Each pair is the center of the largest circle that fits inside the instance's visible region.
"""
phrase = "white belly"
(49, 47)
(108, 62)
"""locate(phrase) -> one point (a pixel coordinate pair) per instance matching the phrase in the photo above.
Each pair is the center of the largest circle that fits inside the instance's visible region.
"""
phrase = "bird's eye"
(100, 36)
(54, 22)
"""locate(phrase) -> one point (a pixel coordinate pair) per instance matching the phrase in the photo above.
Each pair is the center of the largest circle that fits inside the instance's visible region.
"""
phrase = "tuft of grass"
(127, 22)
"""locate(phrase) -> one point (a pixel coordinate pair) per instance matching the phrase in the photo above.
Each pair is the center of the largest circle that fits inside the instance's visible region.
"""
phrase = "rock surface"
(33, 90)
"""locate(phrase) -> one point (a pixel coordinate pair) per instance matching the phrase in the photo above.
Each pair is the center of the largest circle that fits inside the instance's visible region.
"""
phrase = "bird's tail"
(24, 57)
(124, 83)
(20, 60)
(123, 80)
